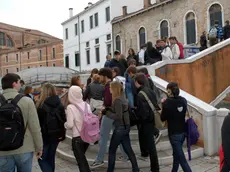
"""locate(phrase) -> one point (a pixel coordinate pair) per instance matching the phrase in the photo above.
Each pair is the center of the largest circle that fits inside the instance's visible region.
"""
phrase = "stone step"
(65, 152)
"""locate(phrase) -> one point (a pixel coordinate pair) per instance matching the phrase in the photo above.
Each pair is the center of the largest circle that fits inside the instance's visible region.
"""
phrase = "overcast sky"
(43, 15)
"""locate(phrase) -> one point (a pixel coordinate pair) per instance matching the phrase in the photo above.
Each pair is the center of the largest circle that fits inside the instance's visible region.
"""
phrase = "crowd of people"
(120, 97)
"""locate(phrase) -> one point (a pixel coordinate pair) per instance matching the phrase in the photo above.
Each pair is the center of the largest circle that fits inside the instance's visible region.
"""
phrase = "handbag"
(158, 123)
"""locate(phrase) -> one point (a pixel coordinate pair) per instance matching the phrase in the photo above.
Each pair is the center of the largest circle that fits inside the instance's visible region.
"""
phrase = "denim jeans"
(178, 154)
(23, 162)
(121, 136)
(106, 127)
(47, 161)
(79, 149)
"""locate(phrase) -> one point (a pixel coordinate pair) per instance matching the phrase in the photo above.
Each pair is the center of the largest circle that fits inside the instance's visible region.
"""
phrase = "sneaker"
(143, 158)
(158, 137)
(122, 158)
(96, 164)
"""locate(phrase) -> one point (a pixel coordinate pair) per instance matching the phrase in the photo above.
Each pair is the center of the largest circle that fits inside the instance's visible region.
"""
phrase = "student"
(89, 80)
(74, 123)
(119, 113)
(174, 111)
(49, 105)
(22, 157)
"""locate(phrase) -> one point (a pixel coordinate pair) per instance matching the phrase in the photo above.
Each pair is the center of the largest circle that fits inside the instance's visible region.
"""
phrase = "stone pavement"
(204, 164)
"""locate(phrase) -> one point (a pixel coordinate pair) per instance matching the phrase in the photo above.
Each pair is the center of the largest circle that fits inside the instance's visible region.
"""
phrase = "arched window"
(190, 28)
(164, 29)
(215, 14)
(2, 39)
(142, 36)
(118, 43)
(9, 42)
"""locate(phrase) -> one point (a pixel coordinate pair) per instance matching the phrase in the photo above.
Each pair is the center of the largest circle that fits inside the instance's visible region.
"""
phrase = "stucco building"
(185, 19)
(22, 48)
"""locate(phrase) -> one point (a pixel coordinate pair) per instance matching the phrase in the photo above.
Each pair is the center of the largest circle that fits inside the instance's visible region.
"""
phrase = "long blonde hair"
(116, 89)
(47, 90)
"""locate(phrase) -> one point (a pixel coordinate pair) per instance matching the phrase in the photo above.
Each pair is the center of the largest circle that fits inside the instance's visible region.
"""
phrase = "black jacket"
(143, 110)
(225, 134)
(174, 111)
(120, 64)
(95, 91)
(52, 102)
(226, 31)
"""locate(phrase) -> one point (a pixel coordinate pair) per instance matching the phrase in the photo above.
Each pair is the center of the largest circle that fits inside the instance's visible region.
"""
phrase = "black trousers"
(147, 144)
(79, 149)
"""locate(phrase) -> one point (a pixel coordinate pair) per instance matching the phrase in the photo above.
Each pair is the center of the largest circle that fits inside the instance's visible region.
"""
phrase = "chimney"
(124, 10)
(70, 12)
(90, 4)
(147, 3)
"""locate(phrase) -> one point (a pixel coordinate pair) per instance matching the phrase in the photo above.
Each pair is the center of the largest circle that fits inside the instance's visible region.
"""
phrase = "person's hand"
(99, 115)
(163, 100)
(39, 155)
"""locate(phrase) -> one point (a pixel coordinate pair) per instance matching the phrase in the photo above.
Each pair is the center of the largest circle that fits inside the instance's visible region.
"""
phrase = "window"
(96, 19)
(28, 67)
(190, 28)
(118, 43)
(16, 57)
(7, 60)
(87, 44)
(9, 42)
(142, 37)
(67, 61)
(2, 39)
(40, 54)
(82, 26)
(77, 59)
(40, 65)
(54, 53)
(17, 70)
(28, 55)
(97, 51)
(91, 22)
(54, 64)
(76, 29)
(108, 48)
(88, 57)
(215, 14)
(66, 33)
(97, 41)
(164, 29)
(108, 37)
(7, 71)
(107, 14)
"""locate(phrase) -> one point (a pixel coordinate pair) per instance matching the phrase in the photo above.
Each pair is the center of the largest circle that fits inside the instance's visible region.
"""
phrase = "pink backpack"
(90, 131)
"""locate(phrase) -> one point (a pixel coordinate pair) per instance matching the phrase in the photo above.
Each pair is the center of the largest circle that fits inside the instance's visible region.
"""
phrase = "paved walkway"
(204, 164)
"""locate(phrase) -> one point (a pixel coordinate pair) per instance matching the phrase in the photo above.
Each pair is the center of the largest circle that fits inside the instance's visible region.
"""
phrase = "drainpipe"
(1, 65)
(79, 41)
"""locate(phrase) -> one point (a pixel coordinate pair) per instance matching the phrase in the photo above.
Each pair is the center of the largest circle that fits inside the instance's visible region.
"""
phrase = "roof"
(5, 26)
(86, 10)
(130, 15)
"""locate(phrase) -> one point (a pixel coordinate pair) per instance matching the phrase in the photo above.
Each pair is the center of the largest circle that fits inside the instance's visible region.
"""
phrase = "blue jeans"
(106, 127)
(47, 161)
(23, 162)
(121, 136)
(178, 154)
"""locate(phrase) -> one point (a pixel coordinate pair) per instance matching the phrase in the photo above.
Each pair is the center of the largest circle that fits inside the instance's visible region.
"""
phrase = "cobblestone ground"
(204, 164)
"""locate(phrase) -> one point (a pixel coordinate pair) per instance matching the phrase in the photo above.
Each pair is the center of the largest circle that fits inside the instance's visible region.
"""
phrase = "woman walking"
(74, 123)
(51, 115)
(119, 113)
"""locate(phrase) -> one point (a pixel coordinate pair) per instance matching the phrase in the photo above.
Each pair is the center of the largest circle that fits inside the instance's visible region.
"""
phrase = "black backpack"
(12, 128)
(54, 123)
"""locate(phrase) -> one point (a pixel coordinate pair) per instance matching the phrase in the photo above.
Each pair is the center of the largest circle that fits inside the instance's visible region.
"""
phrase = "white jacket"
(166, 54)
(175, 51)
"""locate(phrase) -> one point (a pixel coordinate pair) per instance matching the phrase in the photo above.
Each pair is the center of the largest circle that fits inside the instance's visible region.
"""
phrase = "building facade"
(185, 19)
(88, 37)
(22, 48)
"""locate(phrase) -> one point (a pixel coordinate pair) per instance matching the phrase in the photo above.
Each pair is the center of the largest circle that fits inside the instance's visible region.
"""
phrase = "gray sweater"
(119, 112)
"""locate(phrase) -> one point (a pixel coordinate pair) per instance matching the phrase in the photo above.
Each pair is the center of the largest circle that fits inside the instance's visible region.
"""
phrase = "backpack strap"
(2, 99)
(17, 99)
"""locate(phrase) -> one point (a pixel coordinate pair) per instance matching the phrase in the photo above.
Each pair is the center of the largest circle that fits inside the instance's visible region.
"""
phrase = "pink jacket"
(73, 115)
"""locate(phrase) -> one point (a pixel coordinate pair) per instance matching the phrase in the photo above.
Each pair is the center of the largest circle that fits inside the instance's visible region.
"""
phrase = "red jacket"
(181, 47)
